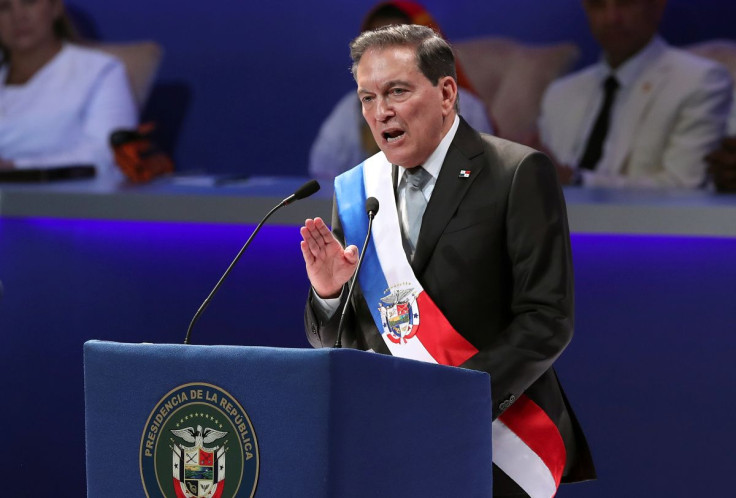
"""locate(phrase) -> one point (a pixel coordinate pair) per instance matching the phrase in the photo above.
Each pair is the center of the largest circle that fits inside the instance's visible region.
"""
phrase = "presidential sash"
(526, 443)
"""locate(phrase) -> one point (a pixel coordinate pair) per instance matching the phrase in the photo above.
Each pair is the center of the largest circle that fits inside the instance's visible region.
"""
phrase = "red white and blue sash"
(526, 443)
(409, 322)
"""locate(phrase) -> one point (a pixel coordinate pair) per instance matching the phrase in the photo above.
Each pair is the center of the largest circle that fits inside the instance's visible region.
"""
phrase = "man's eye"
(398, 91)
(366, 99)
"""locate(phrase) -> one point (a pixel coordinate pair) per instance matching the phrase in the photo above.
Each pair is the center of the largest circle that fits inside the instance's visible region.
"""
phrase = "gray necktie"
(415, 204)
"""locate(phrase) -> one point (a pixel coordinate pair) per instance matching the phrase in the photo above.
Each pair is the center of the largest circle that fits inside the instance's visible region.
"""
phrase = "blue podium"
(225, 421)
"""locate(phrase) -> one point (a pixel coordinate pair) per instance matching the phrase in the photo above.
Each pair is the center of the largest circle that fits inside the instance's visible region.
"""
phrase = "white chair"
(141, 60)
(511, 77)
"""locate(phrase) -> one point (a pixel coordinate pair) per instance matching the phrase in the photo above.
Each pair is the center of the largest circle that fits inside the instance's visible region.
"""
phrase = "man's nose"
(384, 110)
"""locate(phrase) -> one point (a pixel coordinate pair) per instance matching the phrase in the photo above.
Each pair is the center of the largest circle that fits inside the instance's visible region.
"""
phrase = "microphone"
(302, 192)
(371, 208)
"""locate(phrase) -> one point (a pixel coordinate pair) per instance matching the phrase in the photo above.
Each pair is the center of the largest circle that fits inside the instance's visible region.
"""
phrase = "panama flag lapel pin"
(464, 173)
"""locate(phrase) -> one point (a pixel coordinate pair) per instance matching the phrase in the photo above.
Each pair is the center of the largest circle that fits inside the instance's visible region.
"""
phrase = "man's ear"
(448, 86)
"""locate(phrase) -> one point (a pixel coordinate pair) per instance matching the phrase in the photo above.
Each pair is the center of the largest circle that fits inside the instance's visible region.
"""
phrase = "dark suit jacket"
(494, 254)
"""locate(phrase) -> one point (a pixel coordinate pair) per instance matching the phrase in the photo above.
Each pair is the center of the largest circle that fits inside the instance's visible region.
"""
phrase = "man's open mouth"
(393, 135)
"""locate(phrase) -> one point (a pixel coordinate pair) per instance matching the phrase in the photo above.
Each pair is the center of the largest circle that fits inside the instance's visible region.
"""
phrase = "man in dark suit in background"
(470, 260)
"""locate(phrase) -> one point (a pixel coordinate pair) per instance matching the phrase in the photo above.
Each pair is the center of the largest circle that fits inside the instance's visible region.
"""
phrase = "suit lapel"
(448, 192)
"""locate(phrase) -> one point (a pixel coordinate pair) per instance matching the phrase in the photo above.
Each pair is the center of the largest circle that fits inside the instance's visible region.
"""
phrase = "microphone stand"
(338, 342)
(227, 272)
(304, 191)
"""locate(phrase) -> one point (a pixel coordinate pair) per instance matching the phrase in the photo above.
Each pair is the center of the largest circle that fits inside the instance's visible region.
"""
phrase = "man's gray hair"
(434, 55)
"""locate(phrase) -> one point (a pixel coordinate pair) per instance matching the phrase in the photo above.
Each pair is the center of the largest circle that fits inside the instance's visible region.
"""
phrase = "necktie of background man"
(594, 147)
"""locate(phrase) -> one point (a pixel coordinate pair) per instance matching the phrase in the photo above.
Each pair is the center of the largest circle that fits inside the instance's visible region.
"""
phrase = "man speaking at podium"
(469, 263)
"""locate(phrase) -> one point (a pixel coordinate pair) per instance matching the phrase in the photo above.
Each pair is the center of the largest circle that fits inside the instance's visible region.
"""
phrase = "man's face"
(623, 27)
(407, 115)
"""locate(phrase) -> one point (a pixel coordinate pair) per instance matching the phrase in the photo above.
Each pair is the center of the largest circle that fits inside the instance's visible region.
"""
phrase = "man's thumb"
(351, 254)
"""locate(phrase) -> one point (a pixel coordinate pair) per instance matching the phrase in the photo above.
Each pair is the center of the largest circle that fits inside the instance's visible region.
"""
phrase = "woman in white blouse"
(59, 102)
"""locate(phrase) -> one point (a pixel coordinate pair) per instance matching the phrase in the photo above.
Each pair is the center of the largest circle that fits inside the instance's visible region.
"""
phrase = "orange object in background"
(138, 156)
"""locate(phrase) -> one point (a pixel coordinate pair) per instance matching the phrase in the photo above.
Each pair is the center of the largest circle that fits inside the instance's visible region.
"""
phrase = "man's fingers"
(306, 252)
(315, 244)
(318, 231)
(323, 231)
(351, 254)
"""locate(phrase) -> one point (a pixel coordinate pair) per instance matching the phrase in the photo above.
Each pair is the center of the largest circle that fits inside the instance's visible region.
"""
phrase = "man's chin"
(401, 159)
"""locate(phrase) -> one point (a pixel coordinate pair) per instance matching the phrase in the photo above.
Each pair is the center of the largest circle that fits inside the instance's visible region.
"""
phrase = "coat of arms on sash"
(399, 315)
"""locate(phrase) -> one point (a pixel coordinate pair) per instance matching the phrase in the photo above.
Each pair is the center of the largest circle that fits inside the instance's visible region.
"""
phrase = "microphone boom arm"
(338, 341)
(227, 272)
(305, 190)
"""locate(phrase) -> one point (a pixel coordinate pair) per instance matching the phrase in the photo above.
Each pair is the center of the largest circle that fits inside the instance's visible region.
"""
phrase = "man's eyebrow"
(387, 85)
(394, 83)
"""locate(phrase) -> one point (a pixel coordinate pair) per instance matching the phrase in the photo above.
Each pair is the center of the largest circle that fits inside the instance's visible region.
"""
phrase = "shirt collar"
(433, 164)
(628, 72)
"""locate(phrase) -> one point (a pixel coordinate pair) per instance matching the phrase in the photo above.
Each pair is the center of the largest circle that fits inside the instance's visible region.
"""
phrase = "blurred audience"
(722, 165)
(59, 102)
(645, 115)
(344, 139)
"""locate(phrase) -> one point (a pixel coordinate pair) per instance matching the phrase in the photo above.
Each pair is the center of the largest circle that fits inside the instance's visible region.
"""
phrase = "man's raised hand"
(329, 266)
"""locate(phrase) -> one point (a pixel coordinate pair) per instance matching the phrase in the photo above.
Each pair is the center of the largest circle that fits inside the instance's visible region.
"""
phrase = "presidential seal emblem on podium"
(198, 442)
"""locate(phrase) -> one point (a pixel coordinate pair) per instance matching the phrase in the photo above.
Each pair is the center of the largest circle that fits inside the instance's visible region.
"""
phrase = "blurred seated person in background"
(645, 115)
(59, 102)
(344, 139)
(722, 164)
